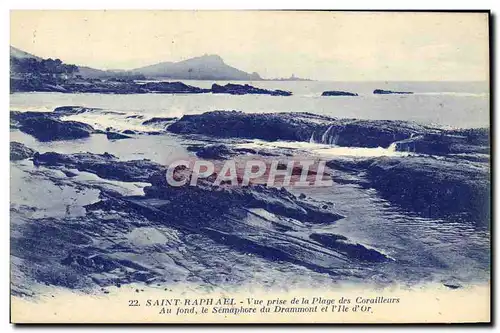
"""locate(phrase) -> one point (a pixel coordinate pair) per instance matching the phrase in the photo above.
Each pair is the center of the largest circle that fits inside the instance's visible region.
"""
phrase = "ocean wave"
(325, 150)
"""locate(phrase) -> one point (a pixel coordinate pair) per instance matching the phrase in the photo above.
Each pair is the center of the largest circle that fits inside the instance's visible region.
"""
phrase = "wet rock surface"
(301, 126)
(46, 126)
(432, 187)
(215, 152)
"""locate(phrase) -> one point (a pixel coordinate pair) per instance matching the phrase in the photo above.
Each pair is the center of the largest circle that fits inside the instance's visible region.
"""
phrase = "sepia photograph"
(250, 166)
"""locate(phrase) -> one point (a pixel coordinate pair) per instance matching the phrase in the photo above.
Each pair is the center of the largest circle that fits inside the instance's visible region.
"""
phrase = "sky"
(333, 46)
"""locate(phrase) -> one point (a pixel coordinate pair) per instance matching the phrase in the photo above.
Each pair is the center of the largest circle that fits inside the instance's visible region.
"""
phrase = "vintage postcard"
(249, 167)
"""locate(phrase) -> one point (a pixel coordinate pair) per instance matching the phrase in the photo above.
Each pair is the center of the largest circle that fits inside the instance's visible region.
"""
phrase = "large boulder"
(104, 165)
(299, 126)
(271, 127)
(46, 127)
(212, 152)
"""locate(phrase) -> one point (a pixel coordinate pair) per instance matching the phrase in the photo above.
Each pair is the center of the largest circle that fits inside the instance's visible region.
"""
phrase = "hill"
(206, 67)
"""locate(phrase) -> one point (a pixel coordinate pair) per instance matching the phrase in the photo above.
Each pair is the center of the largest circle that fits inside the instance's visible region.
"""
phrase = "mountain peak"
(210, 58)
(204, 67)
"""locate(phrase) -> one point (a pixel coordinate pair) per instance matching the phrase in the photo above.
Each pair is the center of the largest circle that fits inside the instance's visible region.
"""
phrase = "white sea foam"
(102, 120)
(325, 150)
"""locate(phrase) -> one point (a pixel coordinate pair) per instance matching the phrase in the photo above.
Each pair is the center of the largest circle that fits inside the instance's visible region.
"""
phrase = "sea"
(447, 104)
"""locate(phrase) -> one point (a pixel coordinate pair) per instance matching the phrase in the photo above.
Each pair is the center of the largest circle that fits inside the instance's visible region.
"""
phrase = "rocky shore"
(132, 87)
(239, 89)
(213, 235)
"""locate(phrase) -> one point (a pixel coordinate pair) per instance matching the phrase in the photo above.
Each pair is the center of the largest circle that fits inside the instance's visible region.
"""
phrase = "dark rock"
(341, 244)
(475, 136)
(46, 126)
(299, 126)
(172, 87)
(18, 151)
(212, 152)
(105, 87)
(116, 136)
(239, 89)
(338, 93)
(433, 187)
(388, 92)
(104, 165)
(444, 143)
(130, 132)
(452, 286)
(271, 127)
(159, 121)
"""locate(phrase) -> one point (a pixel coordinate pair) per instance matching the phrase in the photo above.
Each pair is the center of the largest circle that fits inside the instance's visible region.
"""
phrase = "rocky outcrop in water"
(390, 92)
(172, 88)
(239, 89)
(105, 87)
(116, 136)
(338, 93)
(104, 165)
(271, 127)
(212, 152)
(432, 187)
(444, 143)
(299, 126)
(402, 136)
(46, 126)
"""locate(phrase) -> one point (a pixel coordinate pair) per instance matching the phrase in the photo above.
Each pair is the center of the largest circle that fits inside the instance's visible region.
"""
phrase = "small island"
(389, 92)
(338, 93)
